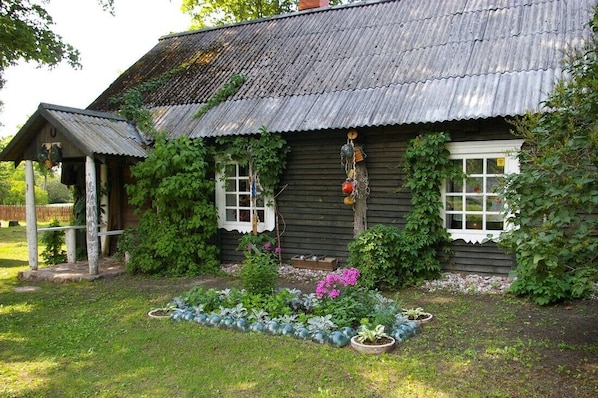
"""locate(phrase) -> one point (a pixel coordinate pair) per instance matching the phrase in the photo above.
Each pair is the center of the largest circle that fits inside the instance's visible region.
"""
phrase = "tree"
(206, 13)
(26, 35)
(554, 200)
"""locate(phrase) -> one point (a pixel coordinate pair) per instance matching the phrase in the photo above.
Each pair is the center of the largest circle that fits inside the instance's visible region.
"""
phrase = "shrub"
(174, 234)
(374, 253)
(53, 241)
(259, 272)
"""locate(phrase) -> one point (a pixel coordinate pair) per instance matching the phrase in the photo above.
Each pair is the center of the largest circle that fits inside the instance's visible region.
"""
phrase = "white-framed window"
(239, 200)
(472, 209)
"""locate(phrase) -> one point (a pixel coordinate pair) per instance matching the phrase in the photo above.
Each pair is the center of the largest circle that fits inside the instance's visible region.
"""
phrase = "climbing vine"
(131, 101)
(228, 89)
(427, 166)
(265, 152)
(173, 194)
(389, 258)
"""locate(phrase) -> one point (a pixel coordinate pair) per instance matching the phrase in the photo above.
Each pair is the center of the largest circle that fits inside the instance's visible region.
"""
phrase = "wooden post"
(104, 239)
(91, 215)
(30, 216)
(71, 245)
(360, 207)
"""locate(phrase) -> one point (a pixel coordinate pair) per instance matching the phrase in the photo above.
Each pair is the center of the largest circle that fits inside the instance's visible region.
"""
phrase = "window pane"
(474, 166)
(454, 221)
(231, 170)
(454, 185)
(495, 165)
(474, 221)
(243, 170)
(494, 222)
(474, 203)
(260, 214)
(475, 185)
(231, 215)
(492, 184)
(454, 203)
(243, 186)
(231, 200)
(494, 203)
(244, 215)
(244, 200)
(231, 185)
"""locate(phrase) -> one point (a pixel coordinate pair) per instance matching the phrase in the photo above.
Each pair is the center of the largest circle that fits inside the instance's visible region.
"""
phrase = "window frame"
(267, 224)
(506, 149)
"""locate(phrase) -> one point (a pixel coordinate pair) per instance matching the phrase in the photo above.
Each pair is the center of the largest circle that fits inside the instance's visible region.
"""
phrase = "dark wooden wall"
(313, 218)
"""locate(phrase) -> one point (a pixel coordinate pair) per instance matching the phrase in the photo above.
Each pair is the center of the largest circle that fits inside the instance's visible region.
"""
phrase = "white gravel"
(455, 282)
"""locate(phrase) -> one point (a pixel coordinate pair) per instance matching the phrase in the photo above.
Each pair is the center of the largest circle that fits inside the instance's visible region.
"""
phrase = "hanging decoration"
(350, 156)
(50, 154)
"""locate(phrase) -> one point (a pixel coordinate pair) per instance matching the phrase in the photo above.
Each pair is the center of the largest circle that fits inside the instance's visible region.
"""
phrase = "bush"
(174, 235)
(259, 272)
(53, 241)
(375, 253)
(553, 201)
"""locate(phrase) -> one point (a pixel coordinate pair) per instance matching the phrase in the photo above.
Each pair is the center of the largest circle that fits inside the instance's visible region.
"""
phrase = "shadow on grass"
(11, 263)
(85, 339)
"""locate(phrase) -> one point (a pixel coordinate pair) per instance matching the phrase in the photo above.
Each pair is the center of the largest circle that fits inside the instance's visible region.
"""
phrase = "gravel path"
(471, 283)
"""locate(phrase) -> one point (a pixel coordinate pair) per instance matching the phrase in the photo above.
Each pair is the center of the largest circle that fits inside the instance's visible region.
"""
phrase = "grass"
(95, 339)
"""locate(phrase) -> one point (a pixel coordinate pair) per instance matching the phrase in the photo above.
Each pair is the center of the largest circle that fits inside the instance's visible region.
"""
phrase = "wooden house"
(384, 70)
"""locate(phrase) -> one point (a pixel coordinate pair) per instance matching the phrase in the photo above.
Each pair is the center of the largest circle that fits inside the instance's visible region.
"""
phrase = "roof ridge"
(85, 112)
(357, 3)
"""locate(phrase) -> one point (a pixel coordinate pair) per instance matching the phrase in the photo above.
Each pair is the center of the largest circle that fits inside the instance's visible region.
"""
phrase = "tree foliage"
(173, 193)
(554, 200)
(26, 35)
(206, 13)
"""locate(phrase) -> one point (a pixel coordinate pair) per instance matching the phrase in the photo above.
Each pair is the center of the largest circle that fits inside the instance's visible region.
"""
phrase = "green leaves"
(265, 152)
(25, 34)
(388, 258)
(553, 200)
(173, 194)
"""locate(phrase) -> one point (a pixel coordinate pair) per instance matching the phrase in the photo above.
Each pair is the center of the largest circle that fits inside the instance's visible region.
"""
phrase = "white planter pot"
(371, 348)
(160, 313)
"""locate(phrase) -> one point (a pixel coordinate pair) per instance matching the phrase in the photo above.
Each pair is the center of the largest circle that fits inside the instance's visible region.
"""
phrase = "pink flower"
(331, 285)
(267, 246)
(277, 250)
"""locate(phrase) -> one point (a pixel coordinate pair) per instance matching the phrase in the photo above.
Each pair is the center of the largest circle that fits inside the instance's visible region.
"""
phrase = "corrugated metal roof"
(366, 64)
(94, 133)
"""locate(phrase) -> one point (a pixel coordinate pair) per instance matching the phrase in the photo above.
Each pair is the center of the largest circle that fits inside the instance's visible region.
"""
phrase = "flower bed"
(332, 315)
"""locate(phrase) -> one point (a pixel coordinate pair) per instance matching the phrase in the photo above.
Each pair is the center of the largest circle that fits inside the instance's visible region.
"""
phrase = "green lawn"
(95, 339)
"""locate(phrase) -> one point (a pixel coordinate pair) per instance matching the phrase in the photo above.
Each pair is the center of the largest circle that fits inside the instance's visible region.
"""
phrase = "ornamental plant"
(331, 285)
(342, 298)
(260, 268)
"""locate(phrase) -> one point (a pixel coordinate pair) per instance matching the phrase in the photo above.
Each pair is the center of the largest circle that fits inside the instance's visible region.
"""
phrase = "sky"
(108, 46)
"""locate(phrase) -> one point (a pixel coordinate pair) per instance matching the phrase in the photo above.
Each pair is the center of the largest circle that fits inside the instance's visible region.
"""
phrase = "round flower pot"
(387, 345)
(424, 318)
(160, 313)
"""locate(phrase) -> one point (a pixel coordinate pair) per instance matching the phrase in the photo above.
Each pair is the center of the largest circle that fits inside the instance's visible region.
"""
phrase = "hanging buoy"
(347, 151)
(349, 200)
(347, 187)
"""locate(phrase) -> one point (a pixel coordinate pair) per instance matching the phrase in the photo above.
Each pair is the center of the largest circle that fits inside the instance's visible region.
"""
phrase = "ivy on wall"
(265, 152)
(389, 258)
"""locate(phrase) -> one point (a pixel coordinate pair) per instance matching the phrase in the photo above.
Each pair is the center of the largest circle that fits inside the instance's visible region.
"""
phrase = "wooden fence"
(62, 213)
